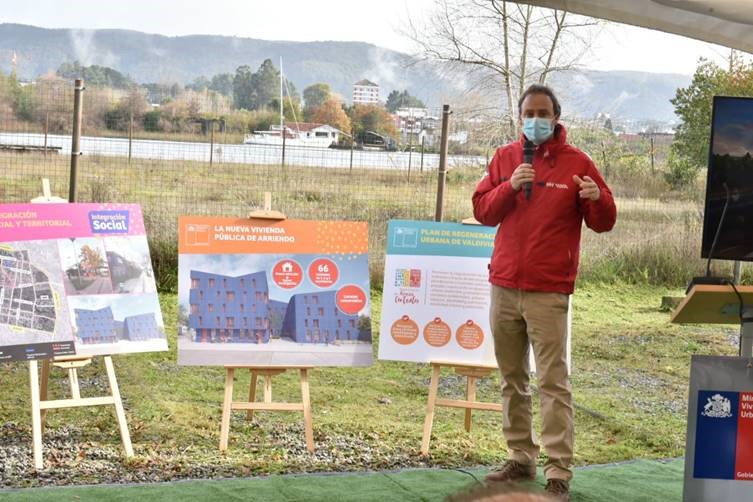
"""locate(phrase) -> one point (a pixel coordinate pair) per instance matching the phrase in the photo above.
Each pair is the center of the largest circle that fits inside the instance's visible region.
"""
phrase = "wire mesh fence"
(177, 163)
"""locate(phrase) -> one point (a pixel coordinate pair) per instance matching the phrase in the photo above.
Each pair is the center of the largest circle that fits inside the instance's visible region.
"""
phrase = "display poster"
(436, 294)
(277, 293)
(718, 453)
(76, 279)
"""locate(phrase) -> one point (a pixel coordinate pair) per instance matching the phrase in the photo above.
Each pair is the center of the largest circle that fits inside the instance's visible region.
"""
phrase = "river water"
(242, 154)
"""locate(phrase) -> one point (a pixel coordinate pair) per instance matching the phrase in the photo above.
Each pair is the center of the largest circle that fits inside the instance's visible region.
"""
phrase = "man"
(532, 274)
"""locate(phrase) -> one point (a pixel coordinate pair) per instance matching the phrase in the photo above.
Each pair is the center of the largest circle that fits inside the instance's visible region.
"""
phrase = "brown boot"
(559, 489)
(513, 471)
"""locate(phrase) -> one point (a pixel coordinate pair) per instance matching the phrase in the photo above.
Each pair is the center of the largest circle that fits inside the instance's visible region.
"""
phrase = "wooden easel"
(39, 402)
(471, 372)
(267, 372)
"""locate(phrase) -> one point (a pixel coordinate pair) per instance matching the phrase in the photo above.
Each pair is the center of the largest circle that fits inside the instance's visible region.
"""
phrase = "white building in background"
(416, 125)
(365, 92)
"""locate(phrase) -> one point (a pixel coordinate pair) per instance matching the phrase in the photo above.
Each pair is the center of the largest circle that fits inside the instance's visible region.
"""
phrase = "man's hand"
(588, 187)
(522, 174)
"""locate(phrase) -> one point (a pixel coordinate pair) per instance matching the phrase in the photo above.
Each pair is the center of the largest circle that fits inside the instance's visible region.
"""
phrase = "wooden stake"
(429, 420)
(251, 393)
(226, 408)
(36, 416)
(308, 421)
(43, 389)
(119, 412)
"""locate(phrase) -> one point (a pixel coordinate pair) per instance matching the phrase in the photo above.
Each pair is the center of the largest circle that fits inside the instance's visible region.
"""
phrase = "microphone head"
(528, 150)
(528, 147)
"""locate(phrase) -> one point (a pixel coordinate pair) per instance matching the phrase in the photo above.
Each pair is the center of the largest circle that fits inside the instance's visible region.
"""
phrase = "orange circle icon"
(404, 331)
(469, 335)
(437, 333)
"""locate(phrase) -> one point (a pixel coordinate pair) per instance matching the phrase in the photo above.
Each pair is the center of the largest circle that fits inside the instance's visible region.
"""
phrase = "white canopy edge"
(724, 22)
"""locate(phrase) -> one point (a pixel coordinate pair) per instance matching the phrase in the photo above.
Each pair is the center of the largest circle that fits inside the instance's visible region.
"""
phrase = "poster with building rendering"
(273, 292)
(76, 279)
(436, 295)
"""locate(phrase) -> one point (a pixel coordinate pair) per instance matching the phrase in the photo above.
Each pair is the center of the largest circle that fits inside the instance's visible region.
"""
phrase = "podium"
(711, 304)
(718, 460)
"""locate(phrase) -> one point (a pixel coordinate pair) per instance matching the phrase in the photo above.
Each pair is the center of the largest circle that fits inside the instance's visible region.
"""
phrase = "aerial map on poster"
(76, 279)
(266, 292)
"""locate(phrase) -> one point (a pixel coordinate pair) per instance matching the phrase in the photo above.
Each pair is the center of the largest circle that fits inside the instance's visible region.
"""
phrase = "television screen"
(730, 175)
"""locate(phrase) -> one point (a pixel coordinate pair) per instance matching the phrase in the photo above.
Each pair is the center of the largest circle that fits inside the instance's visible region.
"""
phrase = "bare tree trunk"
(524, 49)
(508, 80)
(559, 25)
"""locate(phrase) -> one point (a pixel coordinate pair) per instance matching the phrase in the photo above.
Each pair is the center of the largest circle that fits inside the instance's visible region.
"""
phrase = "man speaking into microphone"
(538, 190)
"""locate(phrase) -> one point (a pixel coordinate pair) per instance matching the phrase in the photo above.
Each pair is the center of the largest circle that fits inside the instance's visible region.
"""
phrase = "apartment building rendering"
(229, 309)
(225, 309)
(315, 318)
(100, 326)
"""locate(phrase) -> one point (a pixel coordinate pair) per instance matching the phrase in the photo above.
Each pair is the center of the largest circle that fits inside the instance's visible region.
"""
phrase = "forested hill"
(156, 58)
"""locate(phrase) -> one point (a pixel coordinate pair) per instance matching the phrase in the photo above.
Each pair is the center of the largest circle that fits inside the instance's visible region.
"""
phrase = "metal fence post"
(78, 97)
(130, 135)
(46, 130)
(211, 142)
(423, 141)
(352, 146)
(410, 149)
(283, 146)
(442, 173)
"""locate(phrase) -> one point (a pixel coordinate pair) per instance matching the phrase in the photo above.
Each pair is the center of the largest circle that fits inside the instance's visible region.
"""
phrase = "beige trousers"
(517, 318)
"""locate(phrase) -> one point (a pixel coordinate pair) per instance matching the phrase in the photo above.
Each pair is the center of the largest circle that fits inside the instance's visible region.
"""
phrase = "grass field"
(630, 365)
(630, 370)
(656, 239)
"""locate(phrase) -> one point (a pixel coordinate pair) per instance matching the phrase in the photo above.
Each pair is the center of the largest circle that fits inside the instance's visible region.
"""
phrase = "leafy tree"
(90, 259)
(95, 75)
(690, 148)
(199, 84)
(222, 83)
(21, 99)
(397, 99)
(132, 105)
(243, 88)
(266, 83)
(373, 118)
(259, 90)
(331, 112)
(315, 94)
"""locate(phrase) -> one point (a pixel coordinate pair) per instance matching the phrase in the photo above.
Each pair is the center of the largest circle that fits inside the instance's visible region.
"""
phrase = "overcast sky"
(618, 48)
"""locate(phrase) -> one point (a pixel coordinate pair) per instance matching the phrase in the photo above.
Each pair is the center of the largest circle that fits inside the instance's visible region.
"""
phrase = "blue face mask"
(537, 129)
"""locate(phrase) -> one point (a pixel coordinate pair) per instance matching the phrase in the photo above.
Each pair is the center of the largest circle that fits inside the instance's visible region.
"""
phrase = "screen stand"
(746, 332)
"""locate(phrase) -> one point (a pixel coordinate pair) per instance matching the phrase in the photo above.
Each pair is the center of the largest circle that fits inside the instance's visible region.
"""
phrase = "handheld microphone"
(528, 149)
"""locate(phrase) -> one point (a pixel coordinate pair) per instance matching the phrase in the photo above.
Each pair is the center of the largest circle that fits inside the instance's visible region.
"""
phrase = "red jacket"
(538, 241)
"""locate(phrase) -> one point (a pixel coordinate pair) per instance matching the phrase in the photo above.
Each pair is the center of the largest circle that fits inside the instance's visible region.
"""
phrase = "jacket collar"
(553, 145)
